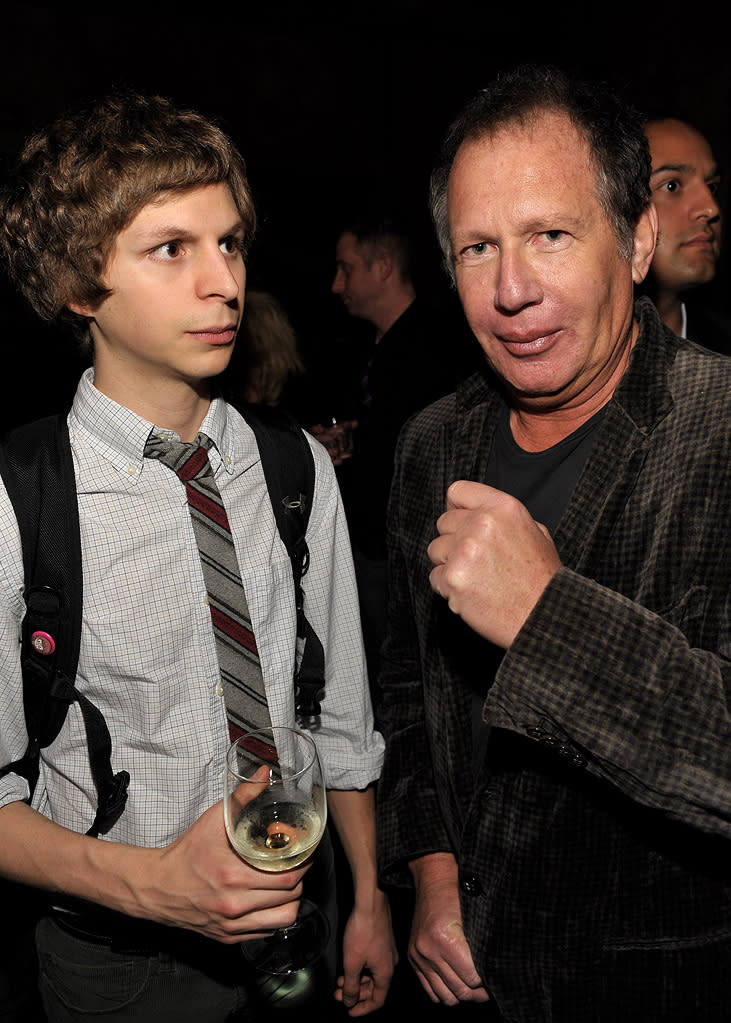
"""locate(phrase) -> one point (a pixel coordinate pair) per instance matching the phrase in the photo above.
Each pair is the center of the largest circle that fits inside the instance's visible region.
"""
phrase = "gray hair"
(614, 131)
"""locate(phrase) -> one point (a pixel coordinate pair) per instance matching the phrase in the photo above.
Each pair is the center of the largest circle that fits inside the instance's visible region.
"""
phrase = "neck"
(537, 425)
(392, 309)
(175, 405)
(539, 431)
(669, 305)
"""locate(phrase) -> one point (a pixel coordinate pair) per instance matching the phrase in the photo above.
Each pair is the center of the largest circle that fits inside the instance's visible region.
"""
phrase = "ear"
(81, 310)
(385, 265)
(644, 243)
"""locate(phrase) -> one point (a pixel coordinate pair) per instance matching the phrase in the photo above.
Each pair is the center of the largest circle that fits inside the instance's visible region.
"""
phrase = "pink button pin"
(43, 643)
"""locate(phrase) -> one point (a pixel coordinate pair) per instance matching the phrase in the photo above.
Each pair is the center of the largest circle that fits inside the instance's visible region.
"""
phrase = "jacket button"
(470, 885)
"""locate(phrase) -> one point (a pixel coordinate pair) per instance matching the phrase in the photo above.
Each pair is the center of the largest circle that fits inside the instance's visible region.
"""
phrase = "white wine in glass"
(275, 811)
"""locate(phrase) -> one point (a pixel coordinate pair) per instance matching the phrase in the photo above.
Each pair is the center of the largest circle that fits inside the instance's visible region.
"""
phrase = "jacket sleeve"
(631, 680)
(410, 822)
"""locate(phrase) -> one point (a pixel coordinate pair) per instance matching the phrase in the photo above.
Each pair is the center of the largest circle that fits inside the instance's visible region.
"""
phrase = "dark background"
(330, 105)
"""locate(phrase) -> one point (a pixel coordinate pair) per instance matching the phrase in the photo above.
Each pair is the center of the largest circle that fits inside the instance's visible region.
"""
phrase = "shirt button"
(219, 689)
(470, 885)
(131, 470)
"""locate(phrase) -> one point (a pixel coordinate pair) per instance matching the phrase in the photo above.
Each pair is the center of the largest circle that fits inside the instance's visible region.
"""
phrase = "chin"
(218, 358)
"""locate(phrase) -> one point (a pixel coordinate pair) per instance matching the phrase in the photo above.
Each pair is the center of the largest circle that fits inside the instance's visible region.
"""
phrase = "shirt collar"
(119, 435)
(215, 425)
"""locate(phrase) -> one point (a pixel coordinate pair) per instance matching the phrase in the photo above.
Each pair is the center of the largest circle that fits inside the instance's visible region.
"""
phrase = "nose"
(221, 274)
(706, 205)
(338, 285)
(517, 284)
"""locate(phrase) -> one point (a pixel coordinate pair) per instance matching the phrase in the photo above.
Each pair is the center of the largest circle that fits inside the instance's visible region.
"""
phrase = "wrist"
(118, 876)
(432, 869)
(369, 899)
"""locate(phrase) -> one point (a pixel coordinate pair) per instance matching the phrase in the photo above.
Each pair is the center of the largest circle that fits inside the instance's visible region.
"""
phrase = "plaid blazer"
(594, 844)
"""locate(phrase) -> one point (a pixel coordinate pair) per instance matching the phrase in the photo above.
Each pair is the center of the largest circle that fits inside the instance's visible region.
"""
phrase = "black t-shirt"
(544, 482)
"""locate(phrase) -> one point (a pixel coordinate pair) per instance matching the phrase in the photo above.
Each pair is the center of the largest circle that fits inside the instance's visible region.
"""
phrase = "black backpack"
(37, 467)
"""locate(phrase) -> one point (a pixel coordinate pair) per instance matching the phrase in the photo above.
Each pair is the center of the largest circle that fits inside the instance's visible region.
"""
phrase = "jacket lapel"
(610, 475)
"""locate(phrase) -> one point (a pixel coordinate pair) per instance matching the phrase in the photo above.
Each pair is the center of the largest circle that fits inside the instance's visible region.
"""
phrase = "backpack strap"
(37, 467)
(289, 469)
(36, 464)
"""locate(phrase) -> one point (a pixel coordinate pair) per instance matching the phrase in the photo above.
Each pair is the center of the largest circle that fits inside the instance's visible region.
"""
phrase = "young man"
(686, 184)
(557, 781)
(131, 220)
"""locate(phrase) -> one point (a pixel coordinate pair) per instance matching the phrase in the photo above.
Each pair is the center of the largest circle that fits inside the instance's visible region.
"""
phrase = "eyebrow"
(684, 168)
(680, 168)
(552, 221)
(166, 232)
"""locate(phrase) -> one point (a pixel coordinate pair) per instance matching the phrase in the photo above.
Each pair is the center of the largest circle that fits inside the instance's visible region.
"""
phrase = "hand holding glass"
(275, 812)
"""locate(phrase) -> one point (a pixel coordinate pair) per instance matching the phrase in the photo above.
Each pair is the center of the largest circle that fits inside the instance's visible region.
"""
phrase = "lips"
(700, 241)
(215, 335)
(525, 344)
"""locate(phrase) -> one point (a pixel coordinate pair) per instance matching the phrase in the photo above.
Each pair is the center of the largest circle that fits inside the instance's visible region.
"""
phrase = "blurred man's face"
(685, 182)
(538, 267)
(358, 284)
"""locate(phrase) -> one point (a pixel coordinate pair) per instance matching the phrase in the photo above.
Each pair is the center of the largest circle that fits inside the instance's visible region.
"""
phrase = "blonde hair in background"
(266, 350)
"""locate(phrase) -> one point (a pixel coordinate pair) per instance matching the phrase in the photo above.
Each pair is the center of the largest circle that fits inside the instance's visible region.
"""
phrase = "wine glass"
(275, 812)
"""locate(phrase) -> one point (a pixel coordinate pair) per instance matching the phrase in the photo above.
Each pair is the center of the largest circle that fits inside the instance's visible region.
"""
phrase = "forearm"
(38, 852)
(354, 815)
(432, 869)
(369, 951)
(197, 881)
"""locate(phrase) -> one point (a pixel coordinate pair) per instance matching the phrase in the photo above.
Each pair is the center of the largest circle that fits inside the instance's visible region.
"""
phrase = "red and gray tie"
(243, 685)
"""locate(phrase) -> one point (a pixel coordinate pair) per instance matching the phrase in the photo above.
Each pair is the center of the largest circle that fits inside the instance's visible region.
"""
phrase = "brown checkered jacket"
(598, 833)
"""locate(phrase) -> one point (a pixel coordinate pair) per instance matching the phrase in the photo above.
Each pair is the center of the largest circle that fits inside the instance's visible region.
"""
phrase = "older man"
(685, 183)
(557, 783)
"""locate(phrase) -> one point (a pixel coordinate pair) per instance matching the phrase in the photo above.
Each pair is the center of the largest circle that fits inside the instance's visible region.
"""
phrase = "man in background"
(685, 185)
(409, 357)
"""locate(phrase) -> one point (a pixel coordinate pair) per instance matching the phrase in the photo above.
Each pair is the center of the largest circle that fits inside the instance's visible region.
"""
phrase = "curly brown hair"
(79, 183)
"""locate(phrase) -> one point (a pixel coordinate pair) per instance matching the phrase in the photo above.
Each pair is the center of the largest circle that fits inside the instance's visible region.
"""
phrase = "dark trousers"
(21, 908)
(104, 966)
(187, 978)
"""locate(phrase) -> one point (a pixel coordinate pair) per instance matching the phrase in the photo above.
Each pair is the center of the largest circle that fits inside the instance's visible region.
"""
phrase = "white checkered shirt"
(148, 654)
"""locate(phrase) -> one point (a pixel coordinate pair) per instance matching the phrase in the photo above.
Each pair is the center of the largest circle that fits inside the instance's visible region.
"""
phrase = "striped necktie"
(243, 685)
